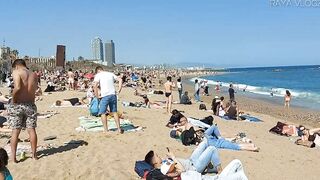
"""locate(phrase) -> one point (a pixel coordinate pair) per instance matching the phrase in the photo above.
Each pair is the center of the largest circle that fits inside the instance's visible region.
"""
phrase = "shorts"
(167, 94)
(108, 101)
(70, 81)
(23, 115)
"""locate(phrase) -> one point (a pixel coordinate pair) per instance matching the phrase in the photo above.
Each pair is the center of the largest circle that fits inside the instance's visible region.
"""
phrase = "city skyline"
(97, 49)
(221, 33)
(110, 53)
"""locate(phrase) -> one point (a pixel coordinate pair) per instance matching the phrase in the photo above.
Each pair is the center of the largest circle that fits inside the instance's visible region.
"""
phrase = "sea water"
(271, 83)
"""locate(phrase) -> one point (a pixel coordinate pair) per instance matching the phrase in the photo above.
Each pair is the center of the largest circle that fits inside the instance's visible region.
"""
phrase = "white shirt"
(106, 81)
(196, 87)
(179, 85)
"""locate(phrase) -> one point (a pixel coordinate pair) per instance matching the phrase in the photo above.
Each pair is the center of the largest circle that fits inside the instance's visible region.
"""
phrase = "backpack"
(141, 167)
(188, 137)
(202, 107)
(94, 107)
(156, 174)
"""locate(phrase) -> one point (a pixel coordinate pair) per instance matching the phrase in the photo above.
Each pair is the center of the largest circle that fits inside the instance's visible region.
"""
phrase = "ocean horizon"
(270, 83)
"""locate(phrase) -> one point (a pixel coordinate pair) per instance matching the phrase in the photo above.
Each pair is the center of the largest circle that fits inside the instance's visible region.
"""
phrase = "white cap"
(216, 97)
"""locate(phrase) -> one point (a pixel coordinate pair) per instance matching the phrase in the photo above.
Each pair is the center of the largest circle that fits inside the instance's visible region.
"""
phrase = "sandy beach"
(113, 156)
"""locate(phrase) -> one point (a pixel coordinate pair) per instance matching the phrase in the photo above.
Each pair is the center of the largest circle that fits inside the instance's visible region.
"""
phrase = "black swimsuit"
(167, 94)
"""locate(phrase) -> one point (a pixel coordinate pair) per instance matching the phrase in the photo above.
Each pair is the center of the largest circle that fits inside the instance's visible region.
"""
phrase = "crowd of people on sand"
(20, 111)
(206, 136)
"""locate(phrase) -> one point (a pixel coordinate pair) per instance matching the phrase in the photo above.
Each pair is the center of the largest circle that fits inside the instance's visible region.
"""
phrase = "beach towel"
(93, 124)
(249, 118)
(246, 118)
(78, 106)
(198, 123)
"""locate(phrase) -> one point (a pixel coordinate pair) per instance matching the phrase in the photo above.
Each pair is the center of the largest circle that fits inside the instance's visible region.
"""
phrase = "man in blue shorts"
(107, 95)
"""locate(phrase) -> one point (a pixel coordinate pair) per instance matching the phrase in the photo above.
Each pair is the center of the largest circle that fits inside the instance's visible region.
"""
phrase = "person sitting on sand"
(177, 119)
(232, 111)
(4, 171)
(68, 102)
(287, 99)
(185, 99)
(214, 104)
(220, 109)
(215, 139)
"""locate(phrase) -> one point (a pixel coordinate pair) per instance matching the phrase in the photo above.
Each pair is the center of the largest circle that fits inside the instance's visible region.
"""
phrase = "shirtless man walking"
(168, 93)
(71, 79)
(22, 113)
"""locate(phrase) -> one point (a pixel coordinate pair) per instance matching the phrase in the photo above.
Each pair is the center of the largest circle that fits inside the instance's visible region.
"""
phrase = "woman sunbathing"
(68, 102)
(309, 137)
(287, 129)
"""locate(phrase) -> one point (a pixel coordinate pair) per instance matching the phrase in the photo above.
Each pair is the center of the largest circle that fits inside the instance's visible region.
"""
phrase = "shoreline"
(297, 115)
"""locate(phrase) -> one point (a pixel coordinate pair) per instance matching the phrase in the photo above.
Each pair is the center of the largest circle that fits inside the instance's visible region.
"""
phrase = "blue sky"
(219, 32)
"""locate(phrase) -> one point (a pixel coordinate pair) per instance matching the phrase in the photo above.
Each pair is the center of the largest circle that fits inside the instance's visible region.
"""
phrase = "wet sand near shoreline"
(296, 115)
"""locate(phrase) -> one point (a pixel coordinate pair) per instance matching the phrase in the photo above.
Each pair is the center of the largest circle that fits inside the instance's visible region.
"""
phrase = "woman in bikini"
(168, 93)
(287, 99)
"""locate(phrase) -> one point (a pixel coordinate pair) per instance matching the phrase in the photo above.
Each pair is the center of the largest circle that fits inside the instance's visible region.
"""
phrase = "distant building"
(7, 54)
(110, 53)
(61, 56)
(97, 49)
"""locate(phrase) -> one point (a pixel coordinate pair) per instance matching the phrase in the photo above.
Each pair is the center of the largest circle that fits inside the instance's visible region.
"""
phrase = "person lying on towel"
(68, 102)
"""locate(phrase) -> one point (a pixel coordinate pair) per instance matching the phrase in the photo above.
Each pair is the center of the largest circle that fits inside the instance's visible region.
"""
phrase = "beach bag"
(202, 107)
(156, 174)
(94, 107)
(142, 167)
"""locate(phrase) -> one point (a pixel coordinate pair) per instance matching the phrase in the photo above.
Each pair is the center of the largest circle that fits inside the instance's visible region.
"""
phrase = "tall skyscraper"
(97, 49)
(110, 53)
